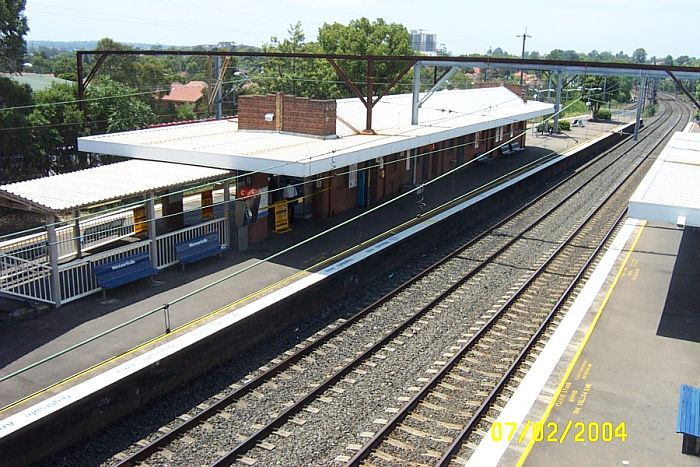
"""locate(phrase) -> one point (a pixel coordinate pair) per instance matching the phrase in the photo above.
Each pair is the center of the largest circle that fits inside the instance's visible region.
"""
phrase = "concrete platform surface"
(29, 341)
(619, 396)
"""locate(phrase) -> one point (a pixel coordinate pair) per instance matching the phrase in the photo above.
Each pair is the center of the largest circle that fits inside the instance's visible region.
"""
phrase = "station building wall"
(332, 193)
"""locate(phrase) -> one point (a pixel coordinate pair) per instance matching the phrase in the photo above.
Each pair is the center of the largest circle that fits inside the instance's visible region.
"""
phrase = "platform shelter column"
(76, 234)
(227, 213)
(416, 93)
(52, 240)
(151, 214)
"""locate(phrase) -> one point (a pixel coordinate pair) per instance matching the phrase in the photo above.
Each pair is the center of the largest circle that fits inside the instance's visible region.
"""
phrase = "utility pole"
(525, 35)
(218, 88)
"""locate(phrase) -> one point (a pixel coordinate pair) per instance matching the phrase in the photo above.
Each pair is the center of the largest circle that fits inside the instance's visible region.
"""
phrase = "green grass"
(577, 108)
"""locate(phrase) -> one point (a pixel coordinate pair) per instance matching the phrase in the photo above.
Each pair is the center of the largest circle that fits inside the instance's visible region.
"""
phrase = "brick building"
(319, 145)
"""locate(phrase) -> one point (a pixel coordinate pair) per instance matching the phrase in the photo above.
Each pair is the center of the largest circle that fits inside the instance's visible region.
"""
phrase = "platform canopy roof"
(96, 186)
(670, 188)
(447, 114)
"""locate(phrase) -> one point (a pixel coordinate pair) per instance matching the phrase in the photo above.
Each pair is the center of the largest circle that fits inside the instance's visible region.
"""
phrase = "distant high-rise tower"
(422, 42)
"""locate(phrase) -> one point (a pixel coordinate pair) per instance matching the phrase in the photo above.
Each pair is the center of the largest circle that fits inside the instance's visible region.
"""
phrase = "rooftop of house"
(187, 93)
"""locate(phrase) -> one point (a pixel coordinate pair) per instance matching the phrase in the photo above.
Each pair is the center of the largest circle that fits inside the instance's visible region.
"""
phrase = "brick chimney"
(287, 114)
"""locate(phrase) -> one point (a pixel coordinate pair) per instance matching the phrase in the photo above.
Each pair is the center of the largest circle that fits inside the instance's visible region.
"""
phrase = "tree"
(639, 56)
(116, 107)
(600, 90)
(683, 60)
(17, 159)
(13, 28)
(64, 67)
(362, 37)
(118, 67)
(57, 127)
(185, 112)
(606, 57)
(621, 57)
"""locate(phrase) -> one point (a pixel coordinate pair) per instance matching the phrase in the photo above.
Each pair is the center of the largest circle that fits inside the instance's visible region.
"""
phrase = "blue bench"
(198, 248)
(123, 271)
(688, 421)
(515, 147)
(505, 149)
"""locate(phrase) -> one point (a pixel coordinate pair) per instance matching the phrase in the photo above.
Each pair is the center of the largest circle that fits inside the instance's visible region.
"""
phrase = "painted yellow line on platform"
(581, 347)
(188, 325)
(154, 340)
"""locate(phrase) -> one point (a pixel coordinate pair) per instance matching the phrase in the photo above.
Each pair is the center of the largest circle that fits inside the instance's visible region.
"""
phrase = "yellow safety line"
(151, 341)
(197, 320)
(582, 346)
(183, 327)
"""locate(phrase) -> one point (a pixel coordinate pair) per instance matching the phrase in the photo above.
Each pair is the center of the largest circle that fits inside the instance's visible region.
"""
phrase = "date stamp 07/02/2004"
(554, 432)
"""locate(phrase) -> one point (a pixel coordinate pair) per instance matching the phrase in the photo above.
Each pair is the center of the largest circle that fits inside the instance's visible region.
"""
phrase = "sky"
(465, 27)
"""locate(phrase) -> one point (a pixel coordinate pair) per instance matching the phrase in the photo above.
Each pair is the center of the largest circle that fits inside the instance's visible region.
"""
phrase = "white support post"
(227, 214)
(416, 94)
(151, 214)
(76, 234)
(53, 259)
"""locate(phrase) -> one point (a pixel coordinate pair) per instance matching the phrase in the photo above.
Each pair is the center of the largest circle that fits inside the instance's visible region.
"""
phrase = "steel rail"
(378, 438)
(251, 441)
(483, 409)
(256, 382)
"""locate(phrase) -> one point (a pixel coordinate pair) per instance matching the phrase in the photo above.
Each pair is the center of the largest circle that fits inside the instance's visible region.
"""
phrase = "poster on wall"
(264, 201)
(352, 176)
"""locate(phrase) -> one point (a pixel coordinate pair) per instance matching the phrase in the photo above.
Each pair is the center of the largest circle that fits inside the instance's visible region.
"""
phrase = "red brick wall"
(333, 196)
(252, 110)
(514, 88)
(309, 116)
(299, 115)
(258, 231)
(517, 90)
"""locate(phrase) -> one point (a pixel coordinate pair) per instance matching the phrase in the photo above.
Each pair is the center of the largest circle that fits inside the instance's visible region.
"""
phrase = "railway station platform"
(30, 341)
(645, 345)
(605, 388)
(617, 383)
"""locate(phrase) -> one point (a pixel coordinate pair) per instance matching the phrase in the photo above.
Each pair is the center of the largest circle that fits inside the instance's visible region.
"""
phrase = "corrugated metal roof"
(447, 114)
(98, 185)
(670, 188)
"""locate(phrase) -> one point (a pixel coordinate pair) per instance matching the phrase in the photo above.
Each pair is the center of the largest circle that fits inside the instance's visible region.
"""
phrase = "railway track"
(259, 415)
(426, 424)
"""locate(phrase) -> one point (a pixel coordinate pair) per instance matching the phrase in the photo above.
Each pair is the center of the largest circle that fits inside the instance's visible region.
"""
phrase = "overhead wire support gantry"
(367, 96)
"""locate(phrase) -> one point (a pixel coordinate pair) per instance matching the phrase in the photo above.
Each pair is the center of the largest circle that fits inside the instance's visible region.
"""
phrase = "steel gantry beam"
(567, 67)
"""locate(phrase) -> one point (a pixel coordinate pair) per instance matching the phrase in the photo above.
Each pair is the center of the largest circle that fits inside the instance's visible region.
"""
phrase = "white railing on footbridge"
(25, 279)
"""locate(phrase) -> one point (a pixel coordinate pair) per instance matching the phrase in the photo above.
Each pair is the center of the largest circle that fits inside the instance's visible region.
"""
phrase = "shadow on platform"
(681, 314)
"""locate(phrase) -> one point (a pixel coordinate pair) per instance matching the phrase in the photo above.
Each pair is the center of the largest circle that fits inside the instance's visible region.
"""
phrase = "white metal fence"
(32, 279)
(78, 277)
(165, 244)
(25, 279)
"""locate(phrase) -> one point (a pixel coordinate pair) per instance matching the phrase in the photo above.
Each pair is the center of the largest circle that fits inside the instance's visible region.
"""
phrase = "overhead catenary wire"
(256, 263)
(263, 170)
